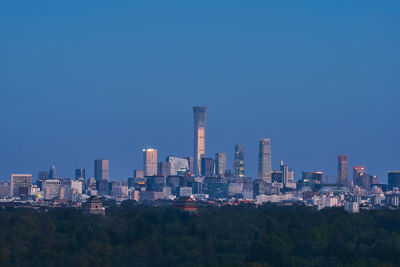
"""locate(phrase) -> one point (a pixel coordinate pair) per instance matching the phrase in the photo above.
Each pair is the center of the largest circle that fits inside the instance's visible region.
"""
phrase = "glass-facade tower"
(343, 170)
(101, 169)
(264, 160)
(199, 115)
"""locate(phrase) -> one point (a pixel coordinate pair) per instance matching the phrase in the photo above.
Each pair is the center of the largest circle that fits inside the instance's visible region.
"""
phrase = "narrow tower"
(239, 161)
(199, 115)
(343, 170)
(264, 160)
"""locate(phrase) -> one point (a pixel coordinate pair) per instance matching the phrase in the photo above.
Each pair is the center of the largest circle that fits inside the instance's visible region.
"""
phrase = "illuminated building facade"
(150, 161)
(199, 115)
(238, 164)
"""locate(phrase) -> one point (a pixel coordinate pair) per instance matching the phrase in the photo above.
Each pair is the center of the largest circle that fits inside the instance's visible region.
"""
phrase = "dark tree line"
(134, 235)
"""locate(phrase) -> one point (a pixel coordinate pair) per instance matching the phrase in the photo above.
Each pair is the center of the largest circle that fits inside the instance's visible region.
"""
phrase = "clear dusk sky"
(81, 80)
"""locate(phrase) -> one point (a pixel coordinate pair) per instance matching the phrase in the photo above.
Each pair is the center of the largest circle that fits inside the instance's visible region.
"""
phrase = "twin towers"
(264, 155)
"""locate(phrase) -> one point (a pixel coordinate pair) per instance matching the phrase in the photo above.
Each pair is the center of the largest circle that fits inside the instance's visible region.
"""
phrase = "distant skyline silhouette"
(88, 80)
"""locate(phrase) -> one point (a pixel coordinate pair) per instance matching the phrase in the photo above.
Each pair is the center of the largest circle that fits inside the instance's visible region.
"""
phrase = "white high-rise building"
(150, 161)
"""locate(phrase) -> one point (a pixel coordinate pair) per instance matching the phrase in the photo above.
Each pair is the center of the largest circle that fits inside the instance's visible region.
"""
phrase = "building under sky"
(20, 184)
(264, 160)
(178, 164)
(220, 163)
(150, 161)
(343, 170)
(238, 164)
(199, 115)
(101, 169)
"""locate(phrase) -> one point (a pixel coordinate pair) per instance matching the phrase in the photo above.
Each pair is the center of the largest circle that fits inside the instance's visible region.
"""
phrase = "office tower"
(138, 174)
(199, 114)
(238, 164)
(197, 185)
(52, 172)
(207, 167)
(150, 161)
(178, 165)
(101, 169)
(264, 160)
(20, 184)
(191, 164)
(393, 179)
(164, 169)
(52, 188)
(357, 172)
(80, 174)
(220, 163)
(287, 176)
(343, 170)
(285, 173)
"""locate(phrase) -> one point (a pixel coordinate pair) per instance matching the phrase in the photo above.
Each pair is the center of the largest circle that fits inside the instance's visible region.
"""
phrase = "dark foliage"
(134, 235)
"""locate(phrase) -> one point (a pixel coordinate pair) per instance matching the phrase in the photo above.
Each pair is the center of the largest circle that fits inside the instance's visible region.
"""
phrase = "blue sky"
(81, 80)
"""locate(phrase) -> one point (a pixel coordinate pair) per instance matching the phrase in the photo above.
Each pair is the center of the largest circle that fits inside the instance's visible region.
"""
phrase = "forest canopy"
(135, 235)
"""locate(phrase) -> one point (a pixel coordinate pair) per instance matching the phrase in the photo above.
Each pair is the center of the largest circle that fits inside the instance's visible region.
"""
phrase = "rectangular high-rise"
(164, 168)
(264, 160)
(80, 174)
(393, 179)
(220, 163)
(207, 167)
(199, 115)
(20, 184)
(101, 169)
(343, 170)
(150, 161)
(238, 164)
(191, 164)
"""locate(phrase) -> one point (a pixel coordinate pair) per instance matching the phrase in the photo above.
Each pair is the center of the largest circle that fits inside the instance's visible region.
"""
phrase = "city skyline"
(265, 169)
(300, 74)
(131, 131)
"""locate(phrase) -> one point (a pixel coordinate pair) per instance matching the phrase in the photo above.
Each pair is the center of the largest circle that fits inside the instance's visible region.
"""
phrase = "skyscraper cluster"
(208, 177)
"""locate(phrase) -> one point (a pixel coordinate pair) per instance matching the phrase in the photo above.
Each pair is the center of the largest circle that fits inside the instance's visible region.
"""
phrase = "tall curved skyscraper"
(199, 115)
